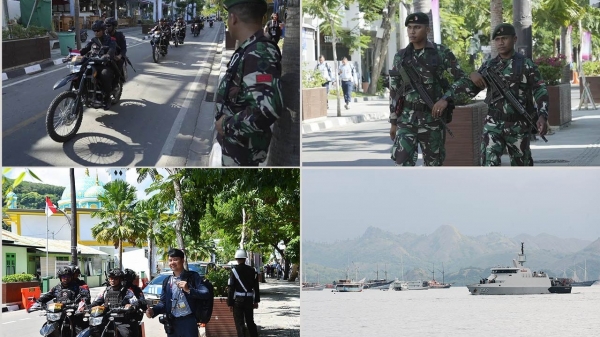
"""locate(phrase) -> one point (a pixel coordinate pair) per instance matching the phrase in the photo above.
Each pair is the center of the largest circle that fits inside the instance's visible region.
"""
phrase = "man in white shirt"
(325, 71)
(347, 76)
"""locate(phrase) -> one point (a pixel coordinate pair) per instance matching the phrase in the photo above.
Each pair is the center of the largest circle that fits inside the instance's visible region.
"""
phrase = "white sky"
(60, 177)
(338, 203)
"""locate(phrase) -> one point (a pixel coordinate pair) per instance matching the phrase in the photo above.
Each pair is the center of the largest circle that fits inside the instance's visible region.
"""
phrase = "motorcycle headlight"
(75, 68)
(95, 321)
(53, 316)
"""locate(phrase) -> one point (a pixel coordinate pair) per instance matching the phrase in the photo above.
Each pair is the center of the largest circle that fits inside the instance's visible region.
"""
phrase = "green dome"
(94, 192)
(82, 185)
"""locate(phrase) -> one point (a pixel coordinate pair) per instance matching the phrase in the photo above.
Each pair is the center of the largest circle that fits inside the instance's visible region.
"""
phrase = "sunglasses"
(96, 31)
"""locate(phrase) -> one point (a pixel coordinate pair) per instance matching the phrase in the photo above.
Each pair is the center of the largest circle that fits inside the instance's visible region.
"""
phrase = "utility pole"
(73, 211)
(77, 26)
(522, 22)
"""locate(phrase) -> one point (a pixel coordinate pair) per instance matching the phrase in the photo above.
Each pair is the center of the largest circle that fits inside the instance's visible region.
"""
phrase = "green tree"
(117, 215)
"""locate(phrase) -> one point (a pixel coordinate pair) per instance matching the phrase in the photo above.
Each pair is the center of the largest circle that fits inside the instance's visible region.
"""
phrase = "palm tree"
(118, 216)
(495, 19)
(285, 147)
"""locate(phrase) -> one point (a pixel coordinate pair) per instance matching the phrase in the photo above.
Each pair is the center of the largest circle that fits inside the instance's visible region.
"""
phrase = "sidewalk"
(134, 33)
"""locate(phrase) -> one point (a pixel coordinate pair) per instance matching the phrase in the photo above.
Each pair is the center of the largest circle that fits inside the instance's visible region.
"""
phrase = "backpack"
(204, 307)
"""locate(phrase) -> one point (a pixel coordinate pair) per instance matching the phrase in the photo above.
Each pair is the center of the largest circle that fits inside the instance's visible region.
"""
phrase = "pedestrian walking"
(249, 96)
(244, 294)
(504, 126)
(346, 73)
(412, 122)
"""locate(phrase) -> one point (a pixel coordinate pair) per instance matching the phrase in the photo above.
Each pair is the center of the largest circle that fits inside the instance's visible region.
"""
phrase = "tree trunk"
(335, 61)
(424, 6)
(285, 145)
(495, 19)
(120, 254)
(180, 210)
(381, 46)
(522, 23)
(565, 49)
(151, 254)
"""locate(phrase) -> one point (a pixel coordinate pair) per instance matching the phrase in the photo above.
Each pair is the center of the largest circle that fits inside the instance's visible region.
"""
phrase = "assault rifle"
(409, 75)
(497, 84)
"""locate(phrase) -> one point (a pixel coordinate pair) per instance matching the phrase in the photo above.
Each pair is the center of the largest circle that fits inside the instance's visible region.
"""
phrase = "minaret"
(116, 173)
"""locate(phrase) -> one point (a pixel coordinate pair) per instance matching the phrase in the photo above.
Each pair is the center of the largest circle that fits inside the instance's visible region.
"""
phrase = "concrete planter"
(559, 105)
(11, 292)
(146, 28)
(594, 82)
(22, 52)
(314, 103)
(464, 149)
(221, 322)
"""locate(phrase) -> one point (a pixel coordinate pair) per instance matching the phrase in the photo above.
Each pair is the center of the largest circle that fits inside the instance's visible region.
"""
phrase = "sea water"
(449, 312)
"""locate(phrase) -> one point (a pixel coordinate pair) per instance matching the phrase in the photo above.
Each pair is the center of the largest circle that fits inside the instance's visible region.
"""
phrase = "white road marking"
(22, 319)
(9, 322)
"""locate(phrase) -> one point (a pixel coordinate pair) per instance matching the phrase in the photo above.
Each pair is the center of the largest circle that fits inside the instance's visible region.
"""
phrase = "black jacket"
(55, 292)
(121, 44)
(198, 291)
(106, 41)
(249, 277)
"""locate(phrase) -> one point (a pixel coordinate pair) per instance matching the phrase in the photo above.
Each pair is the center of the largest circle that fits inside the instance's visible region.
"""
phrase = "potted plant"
(221, 322)
(22, 45)
(147, 25)
(314, 95)
(591, 70)
(559, 95)
(12, 284)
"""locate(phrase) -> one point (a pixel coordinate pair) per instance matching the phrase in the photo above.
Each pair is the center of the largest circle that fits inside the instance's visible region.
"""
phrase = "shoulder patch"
(113, 38)
(264, 78)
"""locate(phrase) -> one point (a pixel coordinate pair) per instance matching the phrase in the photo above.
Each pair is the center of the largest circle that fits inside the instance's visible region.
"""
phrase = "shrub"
(591, 68)
(19, 32)
(219, 277)
(311, 78)
(551, 68)
(17, 278)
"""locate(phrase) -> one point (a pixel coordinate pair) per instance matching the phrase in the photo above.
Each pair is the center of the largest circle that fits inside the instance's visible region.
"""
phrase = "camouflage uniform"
(416, 124)
(253, 103)
(503, 125)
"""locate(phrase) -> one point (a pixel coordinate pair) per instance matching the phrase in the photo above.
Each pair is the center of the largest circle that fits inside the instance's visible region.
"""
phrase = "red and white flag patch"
(264, 78)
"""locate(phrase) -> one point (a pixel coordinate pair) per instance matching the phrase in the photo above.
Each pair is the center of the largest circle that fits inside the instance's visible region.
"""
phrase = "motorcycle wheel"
(116, 94)
(176, 39)
(156, 53)
(64, 116)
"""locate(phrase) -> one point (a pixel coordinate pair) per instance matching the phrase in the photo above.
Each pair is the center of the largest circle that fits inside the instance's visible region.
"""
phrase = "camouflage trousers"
(243, 151)
(497, 135)
(430, 136)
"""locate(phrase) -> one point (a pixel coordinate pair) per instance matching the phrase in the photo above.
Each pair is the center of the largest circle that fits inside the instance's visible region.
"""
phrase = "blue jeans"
(347, 89)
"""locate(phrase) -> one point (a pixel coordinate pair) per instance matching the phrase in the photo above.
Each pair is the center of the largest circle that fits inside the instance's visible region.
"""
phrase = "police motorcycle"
(60, 315)
(102, 321)
(66, 110)
(158, 45)
(176, 35)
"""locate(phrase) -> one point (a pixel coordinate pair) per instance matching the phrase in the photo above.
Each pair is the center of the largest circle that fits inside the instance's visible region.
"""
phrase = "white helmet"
(241, 254)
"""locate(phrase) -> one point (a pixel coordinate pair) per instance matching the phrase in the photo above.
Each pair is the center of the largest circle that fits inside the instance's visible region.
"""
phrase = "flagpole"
(47, 231)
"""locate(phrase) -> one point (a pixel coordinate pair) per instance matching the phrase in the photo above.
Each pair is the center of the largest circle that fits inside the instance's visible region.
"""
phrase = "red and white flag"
(50, 208)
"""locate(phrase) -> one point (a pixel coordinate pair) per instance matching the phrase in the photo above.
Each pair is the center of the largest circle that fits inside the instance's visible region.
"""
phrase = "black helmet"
(162, 20)
(116, 273)
(98, 25)
(75, 269)
(130, 275)
(111, 22)
(66, 270)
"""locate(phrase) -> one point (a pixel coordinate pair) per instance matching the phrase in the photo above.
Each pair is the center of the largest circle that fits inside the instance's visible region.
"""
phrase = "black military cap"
(503, 29)
(418, 17)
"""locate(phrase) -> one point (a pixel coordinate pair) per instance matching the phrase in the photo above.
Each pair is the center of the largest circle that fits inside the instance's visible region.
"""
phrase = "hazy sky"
(60, 177)
(339, 203)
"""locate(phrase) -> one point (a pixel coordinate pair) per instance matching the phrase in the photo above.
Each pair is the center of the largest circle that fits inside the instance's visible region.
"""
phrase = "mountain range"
(446, 255)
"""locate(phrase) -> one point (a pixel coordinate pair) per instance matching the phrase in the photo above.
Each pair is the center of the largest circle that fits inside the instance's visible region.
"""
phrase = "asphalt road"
(152, 125)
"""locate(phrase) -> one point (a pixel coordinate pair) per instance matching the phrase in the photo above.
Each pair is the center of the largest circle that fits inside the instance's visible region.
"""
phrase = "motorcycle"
(84, 90)
(102, 322)
(158, 47)
(59, 317)
(196, 29)
(210, 23)
(82, 33)
(176, 35)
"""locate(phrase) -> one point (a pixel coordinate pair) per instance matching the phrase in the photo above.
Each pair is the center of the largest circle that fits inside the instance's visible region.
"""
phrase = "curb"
(30, 70)
(333, 122)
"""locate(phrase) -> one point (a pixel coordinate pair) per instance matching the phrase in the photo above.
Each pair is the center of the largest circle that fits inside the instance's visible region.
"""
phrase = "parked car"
(154, 288)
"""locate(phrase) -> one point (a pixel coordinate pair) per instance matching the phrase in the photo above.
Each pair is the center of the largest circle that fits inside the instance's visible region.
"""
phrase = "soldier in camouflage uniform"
(249, 96)
(505, 127)
(413, 123)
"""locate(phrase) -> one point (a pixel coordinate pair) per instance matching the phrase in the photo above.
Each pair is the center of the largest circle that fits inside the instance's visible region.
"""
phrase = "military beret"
(503, 29)
(418, 17)
(230, 3)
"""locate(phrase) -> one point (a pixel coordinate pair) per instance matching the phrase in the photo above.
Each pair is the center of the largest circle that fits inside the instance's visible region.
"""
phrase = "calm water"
(449, 312)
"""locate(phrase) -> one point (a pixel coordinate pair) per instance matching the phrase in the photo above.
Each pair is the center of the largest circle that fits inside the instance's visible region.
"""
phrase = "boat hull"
(560, 289)
(497, 289)
(583, 283)
(346, 289)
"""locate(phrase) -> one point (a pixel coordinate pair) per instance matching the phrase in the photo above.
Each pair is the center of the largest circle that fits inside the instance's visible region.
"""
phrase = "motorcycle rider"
(76, 274)
(121, 54)
(131, 282)
(182, 27)
(67, 290)
(197, 21)
(116, 295)
(107, 74)
(165, 31)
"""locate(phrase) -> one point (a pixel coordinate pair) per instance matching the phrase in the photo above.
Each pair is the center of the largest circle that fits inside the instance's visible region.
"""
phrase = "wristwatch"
(445, 98)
